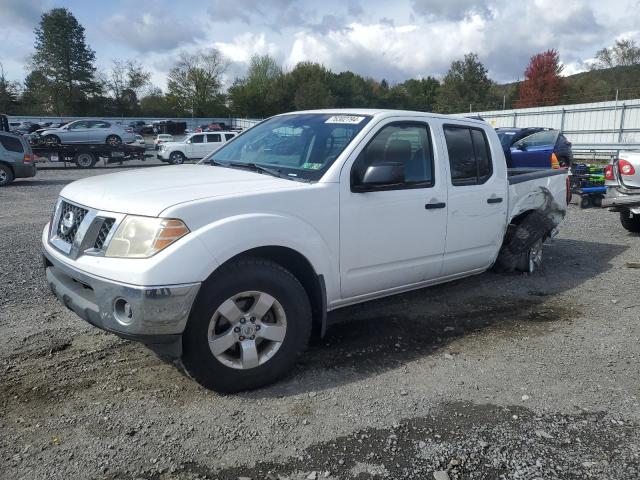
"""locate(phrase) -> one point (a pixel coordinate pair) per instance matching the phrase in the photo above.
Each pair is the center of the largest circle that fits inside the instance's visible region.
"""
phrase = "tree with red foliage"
(543, 85)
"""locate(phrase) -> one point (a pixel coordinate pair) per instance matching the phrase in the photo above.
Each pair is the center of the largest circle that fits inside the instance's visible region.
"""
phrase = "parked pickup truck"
(231, 265)
(622, 179)
(194, 146)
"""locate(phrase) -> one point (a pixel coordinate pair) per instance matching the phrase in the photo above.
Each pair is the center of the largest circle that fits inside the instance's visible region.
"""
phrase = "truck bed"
(519, 175)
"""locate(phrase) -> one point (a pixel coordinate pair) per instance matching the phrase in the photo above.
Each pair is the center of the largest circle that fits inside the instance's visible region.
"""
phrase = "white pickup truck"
(194, 146)
(231, 265)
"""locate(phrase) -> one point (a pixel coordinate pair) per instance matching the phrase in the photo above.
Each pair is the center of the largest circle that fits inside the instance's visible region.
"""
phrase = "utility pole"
(504, 102)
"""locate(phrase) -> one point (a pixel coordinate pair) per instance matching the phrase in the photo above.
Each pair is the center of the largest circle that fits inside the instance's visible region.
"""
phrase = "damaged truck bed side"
(230, 266)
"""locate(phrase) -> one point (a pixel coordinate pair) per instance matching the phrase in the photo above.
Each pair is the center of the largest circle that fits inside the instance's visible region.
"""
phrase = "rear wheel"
(114, 140)
(250, 323)
(531, 260)
(85, 160)
(177, 158)
(630, 221)
(6, 175)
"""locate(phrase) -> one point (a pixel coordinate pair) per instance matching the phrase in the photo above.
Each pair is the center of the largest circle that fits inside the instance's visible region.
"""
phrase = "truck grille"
(71, 217)
(107, 224)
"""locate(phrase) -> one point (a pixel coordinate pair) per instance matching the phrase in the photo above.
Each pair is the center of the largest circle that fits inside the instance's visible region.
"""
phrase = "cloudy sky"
(392, 39)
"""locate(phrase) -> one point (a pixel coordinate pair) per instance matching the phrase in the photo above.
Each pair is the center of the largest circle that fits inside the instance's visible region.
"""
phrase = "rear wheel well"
(8, 165)
(302, 269)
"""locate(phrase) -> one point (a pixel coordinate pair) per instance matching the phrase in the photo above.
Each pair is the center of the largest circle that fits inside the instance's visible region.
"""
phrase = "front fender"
(234, 235)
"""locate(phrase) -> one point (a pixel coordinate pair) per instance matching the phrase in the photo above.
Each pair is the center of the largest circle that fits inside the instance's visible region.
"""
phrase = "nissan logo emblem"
(67, 222)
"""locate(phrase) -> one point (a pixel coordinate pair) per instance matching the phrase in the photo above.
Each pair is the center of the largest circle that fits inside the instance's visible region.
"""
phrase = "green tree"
(37, 96)
(261, 93)
(422, 94)
(125, 82)
(622, 54)
(64, 59)
(9, 93)
(351, 90)
(465, 85)
(309, 87)
(155, 104)
(195, 83)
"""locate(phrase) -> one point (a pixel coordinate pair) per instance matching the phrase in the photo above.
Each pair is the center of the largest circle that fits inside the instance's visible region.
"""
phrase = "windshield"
(298, 145)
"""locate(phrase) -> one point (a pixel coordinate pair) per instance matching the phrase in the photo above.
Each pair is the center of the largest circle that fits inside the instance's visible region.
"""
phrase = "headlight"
(143, 237)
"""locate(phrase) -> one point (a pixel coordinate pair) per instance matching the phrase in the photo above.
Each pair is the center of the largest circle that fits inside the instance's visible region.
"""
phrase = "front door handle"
(431, 206)
(494, 200)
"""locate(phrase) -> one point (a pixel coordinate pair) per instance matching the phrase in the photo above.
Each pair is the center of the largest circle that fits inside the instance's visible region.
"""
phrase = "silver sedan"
(89, 131)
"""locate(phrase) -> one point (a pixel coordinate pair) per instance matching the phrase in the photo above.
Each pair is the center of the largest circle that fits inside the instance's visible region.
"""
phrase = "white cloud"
(154, 32)
(244, 46)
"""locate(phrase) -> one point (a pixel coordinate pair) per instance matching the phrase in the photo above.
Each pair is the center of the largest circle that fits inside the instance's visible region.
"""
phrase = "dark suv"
(16, 158)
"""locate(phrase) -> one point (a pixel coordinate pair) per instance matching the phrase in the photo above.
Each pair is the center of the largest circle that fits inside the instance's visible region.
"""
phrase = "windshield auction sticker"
(350, 119)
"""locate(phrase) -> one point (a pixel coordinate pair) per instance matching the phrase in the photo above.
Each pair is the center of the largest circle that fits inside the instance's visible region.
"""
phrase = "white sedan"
(162, 138)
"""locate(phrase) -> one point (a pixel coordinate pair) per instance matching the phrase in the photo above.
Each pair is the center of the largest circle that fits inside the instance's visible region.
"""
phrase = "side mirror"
(521, 146)
(380, 175)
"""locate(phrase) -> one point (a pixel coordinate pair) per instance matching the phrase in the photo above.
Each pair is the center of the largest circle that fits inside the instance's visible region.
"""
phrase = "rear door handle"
(494, 200)
(431, 206)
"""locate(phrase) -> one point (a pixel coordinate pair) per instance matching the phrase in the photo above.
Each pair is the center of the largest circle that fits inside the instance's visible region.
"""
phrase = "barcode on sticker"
(351, 119)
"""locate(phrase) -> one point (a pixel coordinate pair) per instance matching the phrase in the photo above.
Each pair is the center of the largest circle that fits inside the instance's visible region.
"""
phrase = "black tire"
(514, 254)
(251, 274)
(531, 260)
(585, 201)
(597, 201)
(85, 159)
(113, 140)
(51, 140)
(630, 221)
(6, 175)
(177, 158)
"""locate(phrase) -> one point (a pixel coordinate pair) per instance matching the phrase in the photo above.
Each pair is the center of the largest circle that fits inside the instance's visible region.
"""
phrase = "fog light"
(122, 311)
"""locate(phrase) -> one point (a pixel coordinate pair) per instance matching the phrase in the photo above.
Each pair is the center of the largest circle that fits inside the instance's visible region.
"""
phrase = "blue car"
(535, 148)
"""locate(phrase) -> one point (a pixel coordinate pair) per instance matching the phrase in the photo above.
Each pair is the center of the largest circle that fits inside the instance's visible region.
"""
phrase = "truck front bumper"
(154, 315)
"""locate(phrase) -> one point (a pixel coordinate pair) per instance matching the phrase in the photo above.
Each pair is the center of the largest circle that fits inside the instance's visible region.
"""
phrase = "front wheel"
(177, 158)
(250, 323)
(630, 221)
(51, 140)
(85, 160)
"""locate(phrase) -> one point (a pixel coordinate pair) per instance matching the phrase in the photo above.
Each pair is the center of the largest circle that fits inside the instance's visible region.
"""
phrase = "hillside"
(591, 86)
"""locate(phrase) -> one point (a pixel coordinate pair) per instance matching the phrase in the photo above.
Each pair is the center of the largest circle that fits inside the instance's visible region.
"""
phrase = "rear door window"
(214, 138)
(11, 144)
(228, 136)
(541, 139)
(469, 155)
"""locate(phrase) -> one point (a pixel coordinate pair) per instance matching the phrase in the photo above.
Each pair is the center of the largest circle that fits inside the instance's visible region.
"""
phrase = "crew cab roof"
(384, 113)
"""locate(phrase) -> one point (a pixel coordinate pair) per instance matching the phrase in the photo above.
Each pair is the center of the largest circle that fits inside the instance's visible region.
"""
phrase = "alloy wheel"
(247, 330)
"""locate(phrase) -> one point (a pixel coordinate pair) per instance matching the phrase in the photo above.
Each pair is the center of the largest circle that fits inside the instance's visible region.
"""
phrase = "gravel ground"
(495, 376)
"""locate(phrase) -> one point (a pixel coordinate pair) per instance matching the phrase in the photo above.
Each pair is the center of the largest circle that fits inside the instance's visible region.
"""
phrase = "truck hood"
(149, 191)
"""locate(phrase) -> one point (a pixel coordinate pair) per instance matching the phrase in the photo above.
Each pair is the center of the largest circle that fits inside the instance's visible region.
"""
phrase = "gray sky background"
(395, 40)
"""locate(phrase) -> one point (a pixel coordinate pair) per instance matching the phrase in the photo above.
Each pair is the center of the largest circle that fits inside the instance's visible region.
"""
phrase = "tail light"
(555, 164)
(28, 158)
(608, 173)
(625, 168)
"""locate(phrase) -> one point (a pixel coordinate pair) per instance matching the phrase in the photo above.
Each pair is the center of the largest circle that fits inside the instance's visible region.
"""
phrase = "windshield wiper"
(255, 167)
